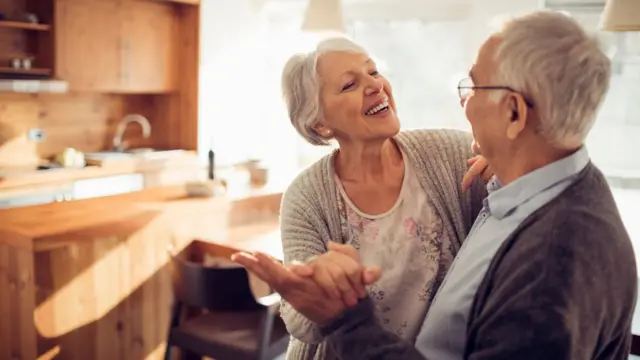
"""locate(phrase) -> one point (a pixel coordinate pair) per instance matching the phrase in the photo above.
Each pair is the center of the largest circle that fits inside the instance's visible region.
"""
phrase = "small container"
(16, 63)
(26, 63)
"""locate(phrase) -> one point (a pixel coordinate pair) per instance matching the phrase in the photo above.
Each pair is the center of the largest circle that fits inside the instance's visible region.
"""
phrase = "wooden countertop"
(37, 227)
(18, 179)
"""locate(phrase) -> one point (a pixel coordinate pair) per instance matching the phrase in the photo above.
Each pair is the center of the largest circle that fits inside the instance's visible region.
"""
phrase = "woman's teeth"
(383, 105)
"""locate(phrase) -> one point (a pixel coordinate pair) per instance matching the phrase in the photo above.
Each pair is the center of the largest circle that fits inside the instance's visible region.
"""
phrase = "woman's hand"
(339, 273)
(479, 167)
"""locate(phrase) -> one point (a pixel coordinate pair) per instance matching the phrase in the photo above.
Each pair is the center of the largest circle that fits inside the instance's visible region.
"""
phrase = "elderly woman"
(394, 196)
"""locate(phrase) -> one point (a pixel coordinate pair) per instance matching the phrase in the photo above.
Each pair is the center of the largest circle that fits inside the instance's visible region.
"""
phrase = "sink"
(108, 154)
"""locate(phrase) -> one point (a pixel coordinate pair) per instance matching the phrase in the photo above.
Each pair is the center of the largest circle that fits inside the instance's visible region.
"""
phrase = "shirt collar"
(503, 200)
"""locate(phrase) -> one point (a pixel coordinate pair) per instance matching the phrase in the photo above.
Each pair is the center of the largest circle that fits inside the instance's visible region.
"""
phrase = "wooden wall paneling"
(187, 120)
(177, 112)
(86, 122)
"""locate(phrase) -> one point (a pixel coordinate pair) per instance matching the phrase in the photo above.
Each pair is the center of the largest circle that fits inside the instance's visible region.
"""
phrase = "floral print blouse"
(406, 243)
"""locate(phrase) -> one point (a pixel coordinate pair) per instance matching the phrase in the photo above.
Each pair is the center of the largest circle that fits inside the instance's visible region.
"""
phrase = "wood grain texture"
(86, 122)
(17, 286)
(105, 293)
(163, 41)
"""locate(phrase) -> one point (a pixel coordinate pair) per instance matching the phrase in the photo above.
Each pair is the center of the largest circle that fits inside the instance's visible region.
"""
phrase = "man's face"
(494, 120)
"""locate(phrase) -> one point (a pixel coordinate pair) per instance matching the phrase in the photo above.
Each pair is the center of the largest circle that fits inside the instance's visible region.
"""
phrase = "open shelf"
(24, 25)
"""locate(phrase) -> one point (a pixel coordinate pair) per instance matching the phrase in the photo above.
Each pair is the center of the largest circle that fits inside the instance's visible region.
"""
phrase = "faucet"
(118, 144)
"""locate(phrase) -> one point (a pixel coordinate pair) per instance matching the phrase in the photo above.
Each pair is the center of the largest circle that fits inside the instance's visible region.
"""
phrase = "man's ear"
(518, 115)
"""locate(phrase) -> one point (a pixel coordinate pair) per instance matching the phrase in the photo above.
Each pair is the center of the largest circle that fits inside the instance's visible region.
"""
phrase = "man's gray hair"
(301, 86)
(557, 66)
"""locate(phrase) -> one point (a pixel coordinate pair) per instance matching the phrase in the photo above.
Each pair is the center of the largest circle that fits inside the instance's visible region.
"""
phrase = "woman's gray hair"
(301, 86)
(559, 67)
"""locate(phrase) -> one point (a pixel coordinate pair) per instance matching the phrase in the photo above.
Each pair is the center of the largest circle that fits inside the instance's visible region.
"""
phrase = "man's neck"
(513, 166)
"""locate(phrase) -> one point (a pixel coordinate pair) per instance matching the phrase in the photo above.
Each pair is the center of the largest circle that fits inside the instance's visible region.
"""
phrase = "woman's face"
(356, 100)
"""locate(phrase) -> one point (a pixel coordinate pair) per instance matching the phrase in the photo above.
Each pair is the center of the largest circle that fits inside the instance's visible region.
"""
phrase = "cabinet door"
(88, 38)
(150, 34)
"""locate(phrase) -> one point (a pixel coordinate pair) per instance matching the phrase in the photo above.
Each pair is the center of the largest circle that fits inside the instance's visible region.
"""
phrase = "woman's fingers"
(479, 168)
(323, 277)
(348, 275)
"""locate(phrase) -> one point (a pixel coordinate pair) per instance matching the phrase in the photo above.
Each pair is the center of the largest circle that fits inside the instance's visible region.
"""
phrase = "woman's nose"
(374, 87)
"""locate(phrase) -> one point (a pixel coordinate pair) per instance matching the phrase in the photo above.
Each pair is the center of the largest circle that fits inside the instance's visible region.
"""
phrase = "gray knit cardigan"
(309, 215)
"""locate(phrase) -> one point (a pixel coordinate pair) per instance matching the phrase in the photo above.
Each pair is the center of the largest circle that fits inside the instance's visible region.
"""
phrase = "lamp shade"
(324, 15)
(621, 15)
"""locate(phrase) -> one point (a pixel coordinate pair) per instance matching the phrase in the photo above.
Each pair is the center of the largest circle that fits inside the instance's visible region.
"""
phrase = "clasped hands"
(323, 287)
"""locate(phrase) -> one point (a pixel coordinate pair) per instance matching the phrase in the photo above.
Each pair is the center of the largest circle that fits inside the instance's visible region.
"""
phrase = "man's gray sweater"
(562, 286)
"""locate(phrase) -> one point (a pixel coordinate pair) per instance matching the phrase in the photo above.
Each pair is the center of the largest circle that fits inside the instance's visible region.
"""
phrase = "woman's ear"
(322, 130)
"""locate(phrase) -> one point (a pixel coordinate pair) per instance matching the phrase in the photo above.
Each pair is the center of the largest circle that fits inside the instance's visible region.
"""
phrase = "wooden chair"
(234, 324)
(635, 345)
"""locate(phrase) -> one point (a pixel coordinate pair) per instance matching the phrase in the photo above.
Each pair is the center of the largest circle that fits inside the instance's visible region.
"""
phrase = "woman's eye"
(348, 86)
(375, 73)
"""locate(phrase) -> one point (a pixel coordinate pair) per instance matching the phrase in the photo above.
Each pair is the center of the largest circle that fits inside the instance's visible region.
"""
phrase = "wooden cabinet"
(150, 39)
(88, 39)
(117, 46)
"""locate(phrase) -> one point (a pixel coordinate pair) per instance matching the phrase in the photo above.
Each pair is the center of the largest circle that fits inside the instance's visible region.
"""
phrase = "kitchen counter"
(90, 279)
(10, 180)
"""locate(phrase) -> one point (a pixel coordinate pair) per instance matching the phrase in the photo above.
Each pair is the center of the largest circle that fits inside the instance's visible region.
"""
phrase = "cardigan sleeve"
(444, 154)
(300, 241)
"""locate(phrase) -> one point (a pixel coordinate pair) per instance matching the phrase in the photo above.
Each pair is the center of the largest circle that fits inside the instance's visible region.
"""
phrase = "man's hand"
(297, 286)
(479, 168)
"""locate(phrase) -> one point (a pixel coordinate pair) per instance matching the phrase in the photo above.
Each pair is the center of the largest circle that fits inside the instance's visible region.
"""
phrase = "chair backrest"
(635, 345)
(211, 287)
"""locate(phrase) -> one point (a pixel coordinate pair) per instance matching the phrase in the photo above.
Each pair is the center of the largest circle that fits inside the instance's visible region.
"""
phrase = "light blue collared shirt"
(443, 333)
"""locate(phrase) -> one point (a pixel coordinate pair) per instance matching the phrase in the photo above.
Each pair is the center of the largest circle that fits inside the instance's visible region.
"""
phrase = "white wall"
(246, 116)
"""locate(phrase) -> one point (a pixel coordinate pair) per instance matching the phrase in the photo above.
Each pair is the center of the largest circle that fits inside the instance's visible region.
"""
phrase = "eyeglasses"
(466, 87)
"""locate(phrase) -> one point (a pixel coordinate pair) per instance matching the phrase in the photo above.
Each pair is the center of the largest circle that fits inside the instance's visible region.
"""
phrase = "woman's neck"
(358, 162)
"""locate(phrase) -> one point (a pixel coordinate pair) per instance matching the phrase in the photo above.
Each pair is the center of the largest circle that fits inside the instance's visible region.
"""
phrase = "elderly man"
(548, 270)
